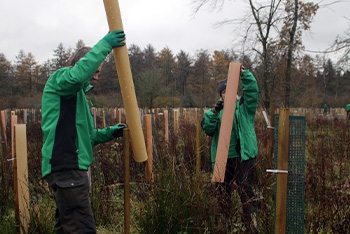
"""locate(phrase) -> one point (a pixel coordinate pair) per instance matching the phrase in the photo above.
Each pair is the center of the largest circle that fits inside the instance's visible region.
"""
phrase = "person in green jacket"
(243, 147)
(69, 135)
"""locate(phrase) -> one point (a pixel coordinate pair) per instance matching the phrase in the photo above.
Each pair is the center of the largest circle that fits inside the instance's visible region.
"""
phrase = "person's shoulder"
(56, 75)
(61, 70)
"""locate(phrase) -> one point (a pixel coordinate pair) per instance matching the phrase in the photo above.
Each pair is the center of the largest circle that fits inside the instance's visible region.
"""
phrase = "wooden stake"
(282, 178)
(227, 122)
(126, 140)
(3, 134)
(93, 111)
(271, 132)
(198, 146)
(126, 84)
(166, 127)
(13, 122)
(120, 110)
(103, 118)
(184, 115)
(176, 120)
(149, 145)
(114, 113)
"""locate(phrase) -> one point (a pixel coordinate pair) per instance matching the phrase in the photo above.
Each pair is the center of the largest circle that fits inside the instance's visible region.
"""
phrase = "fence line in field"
(108, 115)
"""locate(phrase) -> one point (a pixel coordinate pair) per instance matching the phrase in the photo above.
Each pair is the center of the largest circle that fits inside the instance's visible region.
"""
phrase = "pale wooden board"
(226, 123)
(22, 174)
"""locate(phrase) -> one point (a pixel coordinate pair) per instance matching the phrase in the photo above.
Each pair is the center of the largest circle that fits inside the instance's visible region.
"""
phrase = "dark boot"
(249, 219)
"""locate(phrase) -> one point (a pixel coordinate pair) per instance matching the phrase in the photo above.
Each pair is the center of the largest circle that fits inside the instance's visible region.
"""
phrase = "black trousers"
(73, 207)
(240, 173)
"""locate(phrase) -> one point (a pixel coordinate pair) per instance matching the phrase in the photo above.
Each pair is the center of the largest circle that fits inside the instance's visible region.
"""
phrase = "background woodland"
(287, 75)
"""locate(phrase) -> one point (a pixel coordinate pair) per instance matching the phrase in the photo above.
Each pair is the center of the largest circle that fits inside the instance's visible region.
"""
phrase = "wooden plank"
(126, 84)
(226, 122)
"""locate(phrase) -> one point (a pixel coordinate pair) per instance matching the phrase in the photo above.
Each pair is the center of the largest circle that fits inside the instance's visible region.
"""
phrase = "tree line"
(287, 75)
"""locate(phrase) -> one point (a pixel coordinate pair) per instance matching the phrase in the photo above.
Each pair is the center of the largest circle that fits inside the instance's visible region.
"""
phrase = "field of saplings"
(180, 197)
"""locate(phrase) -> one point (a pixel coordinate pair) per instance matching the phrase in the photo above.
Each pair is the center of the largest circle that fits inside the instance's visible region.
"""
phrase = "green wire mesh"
(296, 173)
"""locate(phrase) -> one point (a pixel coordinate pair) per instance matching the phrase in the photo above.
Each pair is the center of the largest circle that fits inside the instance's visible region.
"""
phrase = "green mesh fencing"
(296, 173)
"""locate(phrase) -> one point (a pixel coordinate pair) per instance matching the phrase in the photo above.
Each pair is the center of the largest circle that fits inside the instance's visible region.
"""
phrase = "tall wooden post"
(166, 127)
(126, 139)
(271, 132)
(93, 111)
(176, 120)
(282, 178)
(103, 118)
(3, 134)
(198, 146)
(149, 146)
(25, 115)
(120, 115)
(126, 84)
(184, 114)
(14, 120)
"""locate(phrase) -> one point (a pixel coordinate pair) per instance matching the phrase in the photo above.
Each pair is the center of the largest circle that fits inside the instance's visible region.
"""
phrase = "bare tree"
(262, 33)
(291, 37)
(342, 44)
(259, 26)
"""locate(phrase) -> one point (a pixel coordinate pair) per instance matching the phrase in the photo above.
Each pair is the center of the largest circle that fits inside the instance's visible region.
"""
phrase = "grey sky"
(38, 26)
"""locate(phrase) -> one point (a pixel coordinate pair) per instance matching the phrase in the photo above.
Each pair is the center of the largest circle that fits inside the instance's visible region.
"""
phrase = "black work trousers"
(73, 208)
(240, 173)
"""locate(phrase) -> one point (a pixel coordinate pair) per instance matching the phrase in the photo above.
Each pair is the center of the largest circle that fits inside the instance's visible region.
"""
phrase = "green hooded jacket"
(67, 123)
(243, 124)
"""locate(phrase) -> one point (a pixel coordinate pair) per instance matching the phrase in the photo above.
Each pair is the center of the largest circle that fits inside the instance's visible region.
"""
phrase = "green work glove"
(117, 130)
(115, 38)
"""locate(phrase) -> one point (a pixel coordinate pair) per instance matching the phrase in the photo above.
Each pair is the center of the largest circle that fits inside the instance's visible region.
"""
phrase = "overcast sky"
(38, 26)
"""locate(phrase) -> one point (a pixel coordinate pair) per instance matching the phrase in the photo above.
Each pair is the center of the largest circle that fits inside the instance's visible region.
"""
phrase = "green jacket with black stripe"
(67, 123)
(243, 124)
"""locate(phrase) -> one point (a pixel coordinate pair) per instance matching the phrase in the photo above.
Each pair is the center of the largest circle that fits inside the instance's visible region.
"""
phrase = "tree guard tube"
(126, 84)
